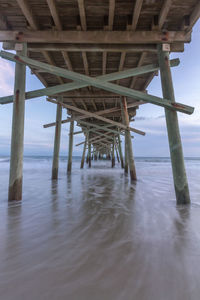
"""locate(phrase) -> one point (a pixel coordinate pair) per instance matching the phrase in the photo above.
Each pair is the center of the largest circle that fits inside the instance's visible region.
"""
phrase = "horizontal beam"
(37, 47)
(95, 37)
(93, 115)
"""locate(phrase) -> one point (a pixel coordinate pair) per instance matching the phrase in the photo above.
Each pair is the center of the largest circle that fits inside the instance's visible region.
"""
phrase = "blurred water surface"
(95, 236)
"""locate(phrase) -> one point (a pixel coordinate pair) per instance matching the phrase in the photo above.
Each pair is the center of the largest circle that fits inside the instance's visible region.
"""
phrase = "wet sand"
(95, 236)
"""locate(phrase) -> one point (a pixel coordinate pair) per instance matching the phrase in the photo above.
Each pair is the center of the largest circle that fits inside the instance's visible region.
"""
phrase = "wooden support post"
(125, 157)
(89, 152)
(175, 145)
(83, 155)
(57, 141)
(120, 152)
(17, 139)
(117, 153)
(71, 135)
(128, 142)
(113, 152)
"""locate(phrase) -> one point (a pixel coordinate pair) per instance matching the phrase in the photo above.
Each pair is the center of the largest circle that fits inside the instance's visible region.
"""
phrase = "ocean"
(95, 236)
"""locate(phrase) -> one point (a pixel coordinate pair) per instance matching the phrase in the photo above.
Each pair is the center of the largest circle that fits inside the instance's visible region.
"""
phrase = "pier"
(96, 60)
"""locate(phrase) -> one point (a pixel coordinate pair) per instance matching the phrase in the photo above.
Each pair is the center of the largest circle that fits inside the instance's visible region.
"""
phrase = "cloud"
(6, 77)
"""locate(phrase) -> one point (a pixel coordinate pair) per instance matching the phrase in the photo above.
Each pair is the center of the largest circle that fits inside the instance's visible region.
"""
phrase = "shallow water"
(95, 236)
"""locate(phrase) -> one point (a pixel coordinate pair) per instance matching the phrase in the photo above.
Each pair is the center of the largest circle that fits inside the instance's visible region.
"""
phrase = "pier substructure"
(175, 145)
(17, 138)
(117, 155)
(128, 142)
(71, 135)
(56, 151)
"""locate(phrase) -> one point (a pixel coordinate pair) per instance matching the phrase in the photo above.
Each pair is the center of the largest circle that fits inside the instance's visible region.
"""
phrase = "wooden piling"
(175, 145)
(17, 138)
(113, 152)
(125, 157)
(56, 151)
(120, 152)
(89, 152)
(83, 155)
(71, 134)
(117, 155)
(128, 141)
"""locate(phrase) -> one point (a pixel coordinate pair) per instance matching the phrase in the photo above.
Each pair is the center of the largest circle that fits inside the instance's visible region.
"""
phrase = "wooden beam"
(82, 14)
(195, 15)
(140, 62)
(54, 13)
(121, 63)
(71, 86)
(94, 104)
(84, 105)
(85, 63)
(3, 23)
(57, 21)
(95, 37)
(111, 14)
(164, 12)
(100, 112)
(93, 115)
(51, 62)
(97, 138)
(99, 83)
(129, 48)
(26, 9)
(96, 127)
(136, 13)
(67, 60)
(104, 62)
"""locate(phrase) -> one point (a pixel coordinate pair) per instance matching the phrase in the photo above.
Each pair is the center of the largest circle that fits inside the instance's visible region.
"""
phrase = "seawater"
(95, 236)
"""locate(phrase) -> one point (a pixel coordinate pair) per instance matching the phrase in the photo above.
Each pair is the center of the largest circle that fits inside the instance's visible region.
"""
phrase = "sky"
(150, 118)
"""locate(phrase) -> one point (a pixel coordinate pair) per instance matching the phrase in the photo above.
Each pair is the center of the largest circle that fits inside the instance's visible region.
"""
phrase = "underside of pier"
(96, 60)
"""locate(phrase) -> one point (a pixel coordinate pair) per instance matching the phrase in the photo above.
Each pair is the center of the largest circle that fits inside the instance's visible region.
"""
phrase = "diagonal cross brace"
(75, 85)
(96, 127)
(100, 82)
(93, 115)
(100, 112)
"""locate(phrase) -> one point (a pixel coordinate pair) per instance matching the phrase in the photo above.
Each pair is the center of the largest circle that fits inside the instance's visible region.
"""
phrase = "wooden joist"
(164, 12)
(111, 14)
(136, 13)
